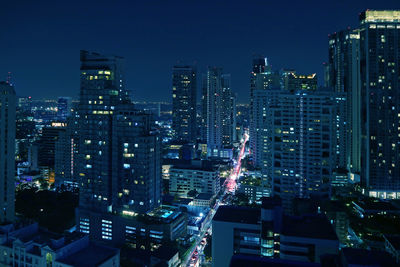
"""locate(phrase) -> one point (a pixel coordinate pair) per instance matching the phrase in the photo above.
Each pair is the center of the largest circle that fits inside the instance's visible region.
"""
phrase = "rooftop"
(256, 261)
(309, 226)
(204, 196)
(380, 16)
(238, 214)
(165, 213)
(363, 257)
(93, 255)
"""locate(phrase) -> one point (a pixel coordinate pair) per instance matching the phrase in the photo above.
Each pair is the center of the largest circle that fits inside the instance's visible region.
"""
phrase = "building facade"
(118, 165)
(297, 142)
(261, 78)
(362, 63)
(343, 76)
(380, 102)
(218, 112)
(64, 105)
(7, 151)
(267, 232)
(27, 245)
(185, 178)
(184, 95)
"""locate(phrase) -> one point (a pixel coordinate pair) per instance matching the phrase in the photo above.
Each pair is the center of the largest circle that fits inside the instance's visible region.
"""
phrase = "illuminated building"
(380, 102)
(184, 95)
(7, 151)
(297, 140)
(261, 78)
(63, 108)
(343, 76)
(364, 62)
(219, 111)
(267, 232)
(201, 176)
(46, 145)
(118, 165)
(295, 81)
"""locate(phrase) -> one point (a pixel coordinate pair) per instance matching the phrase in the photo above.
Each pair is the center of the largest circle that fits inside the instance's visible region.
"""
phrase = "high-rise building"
(63, 108)
(297, 137)
(7, 151)
(47, 143)
(219, 112)
(342, 74)
(380, 102)
(66, 154)
(118, 164)
(364, 62)
(184, 95)
(295, 81)
(261, 78)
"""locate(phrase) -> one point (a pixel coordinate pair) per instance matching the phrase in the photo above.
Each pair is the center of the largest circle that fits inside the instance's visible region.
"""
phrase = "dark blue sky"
(40, 40)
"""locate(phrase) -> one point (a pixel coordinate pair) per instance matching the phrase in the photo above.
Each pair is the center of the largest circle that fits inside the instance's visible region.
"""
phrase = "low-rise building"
(203, 200)
(140, 230)
(202, 176)
(28, 245)
(269, 233)
(253, 188)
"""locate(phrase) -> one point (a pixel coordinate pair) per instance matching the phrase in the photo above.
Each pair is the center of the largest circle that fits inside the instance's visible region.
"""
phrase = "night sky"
(40, 40)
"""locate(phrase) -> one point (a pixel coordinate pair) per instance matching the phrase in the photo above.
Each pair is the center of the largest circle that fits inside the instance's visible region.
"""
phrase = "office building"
(28, 245)
(184, 95)
(201, 176)
(380, 104)
(46, 145)
(219, 111)
(7, 151)
(269, 233)
(261, 78)
(363, 63)
(66, 154)
(343, 76)
(297, 142)
(293, 81)
(118, 165)
(64, 108)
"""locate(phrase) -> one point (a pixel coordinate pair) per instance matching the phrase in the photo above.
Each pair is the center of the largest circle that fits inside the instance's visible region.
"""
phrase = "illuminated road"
(231, 181)
(193, 258)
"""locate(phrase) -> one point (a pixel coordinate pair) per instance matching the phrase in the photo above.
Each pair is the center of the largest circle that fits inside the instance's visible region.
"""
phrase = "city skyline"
(305, 174)
(219, 39)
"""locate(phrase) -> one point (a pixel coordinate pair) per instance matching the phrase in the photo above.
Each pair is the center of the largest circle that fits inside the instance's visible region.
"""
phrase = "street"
(195, 257)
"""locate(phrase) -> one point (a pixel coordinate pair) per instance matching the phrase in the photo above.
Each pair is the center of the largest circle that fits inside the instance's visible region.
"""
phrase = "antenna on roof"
(9, 78)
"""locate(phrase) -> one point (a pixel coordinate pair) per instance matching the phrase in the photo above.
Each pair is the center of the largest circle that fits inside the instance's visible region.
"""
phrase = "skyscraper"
(63, 108)
(343, 76)
(261, 78)
(297, 142)
(118, 163)
(184, 94)
(7, 151)
(380, 102)
(218, 115)
(364, 62)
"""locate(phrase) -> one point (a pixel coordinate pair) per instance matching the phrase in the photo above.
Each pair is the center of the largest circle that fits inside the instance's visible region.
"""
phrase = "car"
(194, 258)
